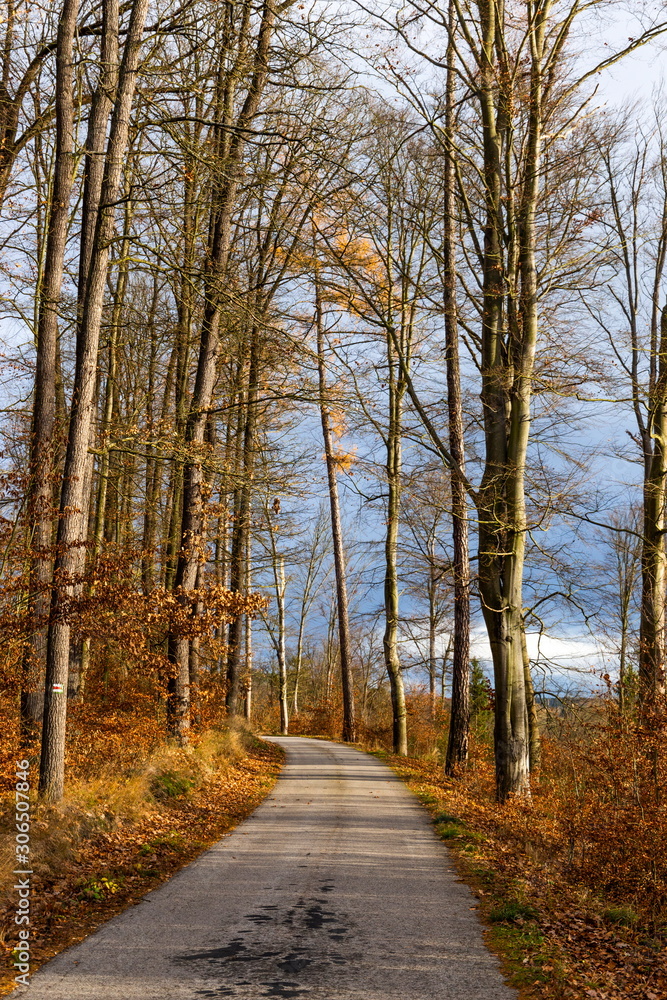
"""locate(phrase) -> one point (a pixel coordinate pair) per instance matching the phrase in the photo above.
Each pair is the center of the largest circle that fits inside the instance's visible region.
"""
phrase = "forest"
(334, 402)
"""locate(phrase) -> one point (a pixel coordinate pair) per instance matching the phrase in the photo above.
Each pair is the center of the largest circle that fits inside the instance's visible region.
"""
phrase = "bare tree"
(349, 719)
(40, 516)
(230, 133)
(637, 197)
(73, 501)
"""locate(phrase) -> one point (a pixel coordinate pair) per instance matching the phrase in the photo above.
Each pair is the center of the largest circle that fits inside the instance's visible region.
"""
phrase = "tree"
(459, 725)
(331, 459)
(73, 499)
(40, 487)
(513, 63)
(279, 633)
(637, 221)
(230, 132)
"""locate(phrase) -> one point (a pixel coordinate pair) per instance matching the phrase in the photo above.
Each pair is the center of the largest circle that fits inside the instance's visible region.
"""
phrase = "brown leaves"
(587, 854)
(113, 860)
(106, 606)
(117, 610)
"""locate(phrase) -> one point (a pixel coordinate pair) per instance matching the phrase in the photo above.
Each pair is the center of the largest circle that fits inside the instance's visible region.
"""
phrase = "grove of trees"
(334, 337)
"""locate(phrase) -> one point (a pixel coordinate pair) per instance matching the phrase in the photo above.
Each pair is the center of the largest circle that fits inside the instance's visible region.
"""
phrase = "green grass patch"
(170, 785)
(98, 889)
(511, 911)
(427, 798)
(482, 874)
(147, 872)
(528, 956)
(168, 842)
(445, 817)
(448, 831)
(624, 916)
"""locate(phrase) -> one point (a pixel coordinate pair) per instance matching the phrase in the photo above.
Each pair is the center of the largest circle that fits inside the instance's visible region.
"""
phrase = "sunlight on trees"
(289, 335)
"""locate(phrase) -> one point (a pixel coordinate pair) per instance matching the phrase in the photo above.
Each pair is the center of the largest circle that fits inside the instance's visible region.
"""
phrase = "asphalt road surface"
(336, 888)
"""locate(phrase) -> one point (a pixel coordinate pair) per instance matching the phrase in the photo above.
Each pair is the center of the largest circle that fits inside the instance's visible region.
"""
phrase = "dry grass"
(126, 826)
(573, 885)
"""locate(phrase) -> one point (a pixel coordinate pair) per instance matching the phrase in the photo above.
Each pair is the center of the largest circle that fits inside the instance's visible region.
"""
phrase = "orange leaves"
(338, 422)
(357, 253)
(106, 606)
(121, 612)
(344, 460)
(101, 852)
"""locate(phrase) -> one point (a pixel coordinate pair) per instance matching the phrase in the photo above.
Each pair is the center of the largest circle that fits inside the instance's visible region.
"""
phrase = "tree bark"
(40, 489)
(349, 722)
(240, 539)
(247, 639)
(279, 570)
(70, 539)
(652, 620)
(396, 387)
(432, 626)
(507, 371)
(459, 725)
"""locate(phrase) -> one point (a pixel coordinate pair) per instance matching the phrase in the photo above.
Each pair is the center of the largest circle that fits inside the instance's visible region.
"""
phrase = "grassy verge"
(556, 940)
(119, 835)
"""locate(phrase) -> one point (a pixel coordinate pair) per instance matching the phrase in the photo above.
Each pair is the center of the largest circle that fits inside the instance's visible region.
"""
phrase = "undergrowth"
(572, 885)
(125, 825)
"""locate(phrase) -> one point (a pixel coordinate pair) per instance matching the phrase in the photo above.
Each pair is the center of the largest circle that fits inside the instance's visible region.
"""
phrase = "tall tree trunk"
(80, 651)
(242, 517)
(247, 639)
(231, 136)
(652, 620)
(40, 502)
(507, 372)
(459, 726)
(279, 571)
(247, 699)
(195, 665)
(391, 598)
(96, 140)
(70, 539)
(500, 548)
(349, 722)
(432, 626)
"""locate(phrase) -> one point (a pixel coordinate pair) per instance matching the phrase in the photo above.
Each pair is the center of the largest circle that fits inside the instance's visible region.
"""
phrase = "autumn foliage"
(573, 883)
(136, 809)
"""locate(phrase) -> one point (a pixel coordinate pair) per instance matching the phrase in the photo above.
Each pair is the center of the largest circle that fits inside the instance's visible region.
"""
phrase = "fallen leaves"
(558, 939)
(111, 868)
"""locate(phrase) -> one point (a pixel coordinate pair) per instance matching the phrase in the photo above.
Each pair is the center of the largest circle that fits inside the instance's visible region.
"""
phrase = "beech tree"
(44, 408)
(229, 131)
(520, 108)
(73, 499)
(340, 567)
(637, 209)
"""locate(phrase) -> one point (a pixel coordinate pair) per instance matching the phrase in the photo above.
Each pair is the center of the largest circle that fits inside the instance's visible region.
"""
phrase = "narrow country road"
(336, 888)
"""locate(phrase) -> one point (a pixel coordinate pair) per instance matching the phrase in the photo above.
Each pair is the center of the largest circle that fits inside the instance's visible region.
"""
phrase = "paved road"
(336, 888)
